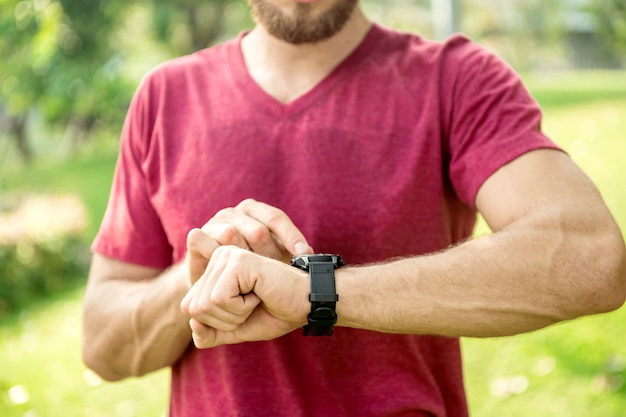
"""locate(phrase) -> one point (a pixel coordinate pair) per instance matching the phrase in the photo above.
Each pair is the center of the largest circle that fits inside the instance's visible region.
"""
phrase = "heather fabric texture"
(383, 158)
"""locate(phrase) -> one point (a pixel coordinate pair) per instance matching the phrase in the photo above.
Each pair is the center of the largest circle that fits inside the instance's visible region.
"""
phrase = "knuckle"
(194, 236)
(204, 310)
(276, 217)
(220, 251)
(226, 234)
(216, 301)
(260, 235)
(247, 203)
(212, 302)
(227, 252)
(225, 213)
(201, 308)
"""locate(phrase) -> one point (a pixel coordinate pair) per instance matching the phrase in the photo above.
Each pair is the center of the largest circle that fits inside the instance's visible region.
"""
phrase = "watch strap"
(323, 296)
(322, 282)
(321, 320)
(323, 300)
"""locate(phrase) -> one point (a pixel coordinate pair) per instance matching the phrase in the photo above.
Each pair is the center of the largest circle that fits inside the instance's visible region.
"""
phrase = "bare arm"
(131, 321)
(556, 254)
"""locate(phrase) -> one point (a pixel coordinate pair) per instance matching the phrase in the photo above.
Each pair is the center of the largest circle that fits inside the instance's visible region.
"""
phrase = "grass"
(564, 89)
(575, 369)
(572, 369)
(42, 373)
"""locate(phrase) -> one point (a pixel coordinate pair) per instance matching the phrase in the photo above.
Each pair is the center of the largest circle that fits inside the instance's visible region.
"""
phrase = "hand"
(259, 227)
(250, 225)
(244, 297)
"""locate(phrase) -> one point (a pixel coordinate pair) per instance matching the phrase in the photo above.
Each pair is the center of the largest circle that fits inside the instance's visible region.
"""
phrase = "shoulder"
(192, 68)
(411, 48)
(466, 58)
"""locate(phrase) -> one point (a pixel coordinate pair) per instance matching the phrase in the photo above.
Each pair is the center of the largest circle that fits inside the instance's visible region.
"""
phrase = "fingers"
(260, 326)
(243, 296)
(251, 225)
(205, 337)
(218, 301)
(259, 227)
(213, 309)
(231, 227)
(278, 223)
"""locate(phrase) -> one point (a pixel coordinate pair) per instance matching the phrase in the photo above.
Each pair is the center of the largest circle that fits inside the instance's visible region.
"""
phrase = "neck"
(286, 71)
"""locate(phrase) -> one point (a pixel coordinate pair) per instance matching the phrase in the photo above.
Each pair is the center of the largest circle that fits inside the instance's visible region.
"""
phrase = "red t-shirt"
(383, 158)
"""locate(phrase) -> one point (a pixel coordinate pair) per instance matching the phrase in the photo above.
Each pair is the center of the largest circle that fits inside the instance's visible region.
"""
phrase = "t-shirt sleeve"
(490, 117)
(131, 230)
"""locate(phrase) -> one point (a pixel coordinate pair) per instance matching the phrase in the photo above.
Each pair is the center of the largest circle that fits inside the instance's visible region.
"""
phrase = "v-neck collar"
(269, 104)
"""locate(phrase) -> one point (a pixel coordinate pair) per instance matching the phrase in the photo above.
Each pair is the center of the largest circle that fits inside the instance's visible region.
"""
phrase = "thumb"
(200, 247)
(204, 337)
(302, 248)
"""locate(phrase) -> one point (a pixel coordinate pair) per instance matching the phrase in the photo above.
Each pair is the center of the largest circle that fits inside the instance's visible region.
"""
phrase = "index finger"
(278, 223)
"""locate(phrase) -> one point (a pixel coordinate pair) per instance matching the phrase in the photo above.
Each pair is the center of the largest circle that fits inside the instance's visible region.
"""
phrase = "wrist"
(343, 279)
(358, 303)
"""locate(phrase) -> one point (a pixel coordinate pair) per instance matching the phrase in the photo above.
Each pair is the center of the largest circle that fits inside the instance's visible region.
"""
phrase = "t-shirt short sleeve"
(489, 116)
(131, 230)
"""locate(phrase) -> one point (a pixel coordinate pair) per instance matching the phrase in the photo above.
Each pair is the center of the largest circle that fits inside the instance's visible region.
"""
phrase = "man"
(320, 131)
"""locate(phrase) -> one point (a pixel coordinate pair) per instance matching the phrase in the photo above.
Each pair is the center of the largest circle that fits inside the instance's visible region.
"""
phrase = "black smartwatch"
(323, 297)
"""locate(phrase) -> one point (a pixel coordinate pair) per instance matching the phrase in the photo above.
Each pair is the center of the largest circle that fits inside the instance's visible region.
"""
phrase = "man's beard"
(303, 26)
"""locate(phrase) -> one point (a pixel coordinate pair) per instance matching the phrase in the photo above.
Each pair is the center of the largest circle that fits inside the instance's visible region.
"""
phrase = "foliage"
(611, 17)
(71, 61)
(526, 34)
(41, 250)
(56, 55)
(76, 64)
(190, 25)
(87, 175)
(58, 62)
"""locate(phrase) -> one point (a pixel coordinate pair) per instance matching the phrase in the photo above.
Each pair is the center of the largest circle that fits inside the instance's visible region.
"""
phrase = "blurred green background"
(67, 71)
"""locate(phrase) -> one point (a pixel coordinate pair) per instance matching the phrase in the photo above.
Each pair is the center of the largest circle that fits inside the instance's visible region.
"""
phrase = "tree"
(63, 59)
(190, 25)
(57, 61)
(526, 33)
(611, 16)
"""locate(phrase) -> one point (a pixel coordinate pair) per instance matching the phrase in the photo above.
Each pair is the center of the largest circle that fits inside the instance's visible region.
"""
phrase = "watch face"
(303, 261)
(299, 262)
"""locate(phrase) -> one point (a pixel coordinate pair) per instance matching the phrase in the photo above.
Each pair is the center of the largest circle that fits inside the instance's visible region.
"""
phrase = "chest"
(360, 171)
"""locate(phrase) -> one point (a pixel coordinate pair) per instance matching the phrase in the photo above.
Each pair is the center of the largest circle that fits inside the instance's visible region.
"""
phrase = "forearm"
(520, 279)
(132, 327)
